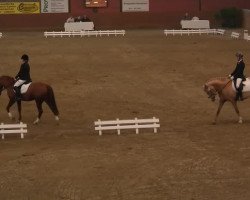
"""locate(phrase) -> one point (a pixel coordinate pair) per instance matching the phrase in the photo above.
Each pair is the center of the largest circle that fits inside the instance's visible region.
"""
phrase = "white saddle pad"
(25, 88)
(246, 87)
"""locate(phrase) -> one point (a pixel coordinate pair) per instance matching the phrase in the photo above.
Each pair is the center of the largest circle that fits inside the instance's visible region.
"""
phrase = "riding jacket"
(239, 70)
(24, 73)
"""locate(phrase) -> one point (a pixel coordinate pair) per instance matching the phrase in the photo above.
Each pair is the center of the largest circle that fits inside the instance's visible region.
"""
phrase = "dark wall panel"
(163, 14)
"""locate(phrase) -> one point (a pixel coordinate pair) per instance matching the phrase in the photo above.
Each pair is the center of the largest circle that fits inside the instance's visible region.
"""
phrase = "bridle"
(213, 92)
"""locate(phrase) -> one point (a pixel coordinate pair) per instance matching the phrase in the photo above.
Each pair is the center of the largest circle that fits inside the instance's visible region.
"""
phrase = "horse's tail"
(52, 102)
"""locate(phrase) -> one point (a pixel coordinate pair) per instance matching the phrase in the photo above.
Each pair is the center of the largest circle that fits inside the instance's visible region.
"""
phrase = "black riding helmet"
(239, 55)
(25, 57)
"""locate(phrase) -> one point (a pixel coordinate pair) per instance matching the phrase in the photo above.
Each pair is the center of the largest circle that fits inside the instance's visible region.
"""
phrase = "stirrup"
(18, 98)
(239, 97)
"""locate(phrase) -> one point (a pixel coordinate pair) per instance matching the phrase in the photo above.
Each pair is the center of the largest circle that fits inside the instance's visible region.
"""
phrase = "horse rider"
(238, 76)
(23, 76)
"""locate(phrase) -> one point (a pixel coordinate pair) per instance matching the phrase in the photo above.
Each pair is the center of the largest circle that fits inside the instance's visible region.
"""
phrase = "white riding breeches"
(238, 82)
(19, 82)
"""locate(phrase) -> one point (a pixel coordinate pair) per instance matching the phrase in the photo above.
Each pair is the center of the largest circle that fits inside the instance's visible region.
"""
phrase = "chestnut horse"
(39, 92)
(224, 89)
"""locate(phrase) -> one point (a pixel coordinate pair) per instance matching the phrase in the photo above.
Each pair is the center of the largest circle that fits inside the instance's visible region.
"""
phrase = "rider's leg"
(239, 88)
(17, 89)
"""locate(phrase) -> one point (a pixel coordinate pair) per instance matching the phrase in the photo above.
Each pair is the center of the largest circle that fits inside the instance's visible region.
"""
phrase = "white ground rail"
(13, 129)
(84, 33)
(235, 35)
(1, 35)
(127, 124)
(190, 32)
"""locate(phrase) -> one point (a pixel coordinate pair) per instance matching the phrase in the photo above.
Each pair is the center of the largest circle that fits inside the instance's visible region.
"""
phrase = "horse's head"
(1, 89)
(5, 82)
(1, 85)
(210, 90)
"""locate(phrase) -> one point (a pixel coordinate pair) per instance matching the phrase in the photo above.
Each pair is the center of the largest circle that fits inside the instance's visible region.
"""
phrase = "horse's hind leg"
(237, 111)
(52, 109)
(40, 111)
(11, 102)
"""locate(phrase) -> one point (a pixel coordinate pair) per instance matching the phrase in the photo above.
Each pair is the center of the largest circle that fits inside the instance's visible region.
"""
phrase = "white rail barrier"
(221, 31)
(190, 32)
(1, 35)
(127, 124)
(63, 33)
(107, 32)
(13, 129)
(246, 36)
(235, 35)
(84, 33)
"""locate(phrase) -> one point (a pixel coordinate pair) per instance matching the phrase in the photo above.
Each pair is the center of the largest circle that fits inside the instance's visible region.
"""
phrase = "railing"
(221, 31)
(13, 129)
(235, 35)
(84, 33)
(190, 32)
(127, 124)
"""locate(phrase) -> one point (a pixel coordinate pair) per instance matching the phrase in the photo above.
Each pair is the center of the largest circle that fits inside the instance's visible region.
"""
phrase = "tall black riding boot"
(239, 96)
(17, 93)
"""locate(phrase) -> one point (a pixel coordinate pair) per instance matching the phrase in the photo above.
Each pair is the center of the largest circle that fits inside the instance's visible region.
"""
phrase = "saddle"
(24, 87)
(245, 85)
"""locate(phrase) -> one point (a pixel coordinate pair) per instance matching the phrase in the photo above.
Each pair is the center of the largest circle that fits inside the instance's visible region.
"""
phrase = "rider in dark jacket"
(23, 76)
(238, 75)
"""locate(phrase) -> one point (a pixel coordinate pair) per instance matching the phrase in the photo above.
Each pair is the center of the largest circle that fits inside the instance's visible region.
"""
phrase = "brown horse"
(223, 88)
(39, 92)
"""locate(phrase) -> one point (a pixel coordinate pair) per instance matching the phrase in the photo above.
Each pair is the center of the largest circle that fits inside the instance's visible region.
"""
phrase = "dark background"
(163, 14)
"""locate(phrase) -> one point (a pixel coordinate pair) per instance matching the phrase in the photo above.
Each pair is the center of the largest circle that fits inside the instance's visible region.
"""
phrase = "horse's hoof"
(36, 121)
(240, 121)
(57, 120)
(214, 123)
(11, 117)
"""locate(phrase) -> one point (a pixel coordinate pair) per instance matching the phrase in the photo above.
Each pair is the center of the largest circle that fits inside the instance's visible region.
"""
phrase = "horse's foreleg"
(40, 111)
(19, 106)
(11, 102)
(218, 111)
(237, 111)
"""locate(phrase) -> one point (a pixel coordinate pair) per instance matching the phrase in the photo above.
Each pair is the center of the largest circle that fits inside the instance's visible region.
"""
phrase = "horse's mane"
(217, 78)
(7, 78)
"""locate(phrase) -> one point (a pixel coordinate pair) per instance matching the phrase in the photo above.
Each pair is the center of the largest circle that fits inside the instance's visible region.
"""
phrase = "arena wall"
(163, 14)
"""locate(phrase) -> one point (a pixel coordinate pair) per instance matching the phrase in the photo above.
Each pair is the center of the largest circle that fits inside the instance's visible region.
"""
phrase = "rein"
(224, 86)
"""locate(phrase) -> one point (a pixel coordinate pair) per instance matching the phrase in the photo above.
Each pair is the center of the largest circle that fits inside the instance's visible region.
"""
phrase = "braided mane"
(217, 78)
